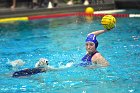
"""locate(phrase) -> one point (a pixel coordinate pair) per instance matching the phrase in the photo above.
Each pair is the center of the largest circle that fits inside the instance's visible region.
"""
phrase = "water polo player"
(40, 66)
(93, 56)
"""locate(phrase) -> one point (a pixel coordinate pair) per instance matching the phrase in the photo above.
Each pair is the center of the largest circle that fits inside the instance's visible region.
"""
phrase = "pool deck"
(62, 8)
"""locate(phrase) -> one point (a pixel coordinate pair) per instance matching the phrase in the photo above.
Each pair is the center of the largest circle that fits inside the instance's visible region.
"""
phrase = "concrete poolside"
(62, 8)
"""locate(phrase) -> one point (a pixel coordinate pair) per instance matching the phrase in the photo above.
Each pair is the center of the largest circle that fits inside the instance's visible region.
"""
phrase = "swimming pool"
(61, 40)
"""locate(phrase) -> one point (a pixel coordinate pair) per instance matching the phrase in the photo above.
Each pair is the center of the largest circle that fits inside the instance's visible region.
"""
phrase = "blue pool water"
(62, 41)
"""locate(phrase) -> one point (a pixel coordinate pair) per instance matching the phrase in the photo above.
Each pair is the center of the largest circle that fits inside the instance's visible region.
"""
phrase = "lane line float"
(7, 20)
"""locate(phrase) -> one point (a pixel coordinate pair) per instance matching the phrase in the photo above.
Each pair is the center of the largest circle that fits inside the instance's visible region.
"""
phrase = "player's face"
(90, 47)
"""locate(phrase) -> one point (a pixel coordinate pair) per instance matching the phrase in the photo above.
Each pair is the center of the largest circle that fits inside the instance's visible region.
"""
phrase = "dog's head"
(42, 62)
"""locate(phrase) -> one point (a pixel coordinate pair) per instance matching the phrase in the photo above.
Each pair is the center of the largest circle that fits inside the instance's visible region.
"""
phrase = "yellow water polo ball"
(89, 10)
(108, 22)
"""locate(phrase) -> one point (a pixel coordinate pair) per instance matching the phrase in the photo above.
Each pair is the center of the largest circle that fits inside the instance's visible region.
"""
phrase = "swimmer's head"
(92, 38)
(42, 62)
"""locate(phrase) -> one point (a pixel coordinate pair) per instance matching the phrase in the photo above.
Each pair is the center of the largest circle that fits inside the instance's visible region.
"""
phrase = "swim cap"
(92, 38)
